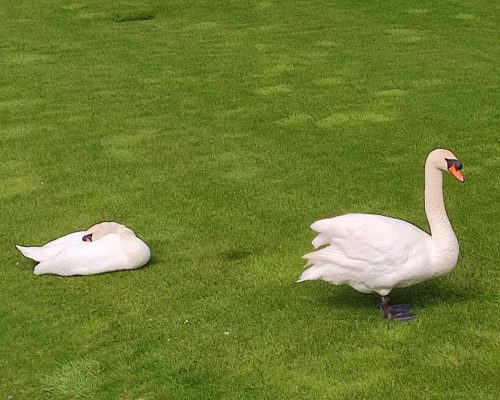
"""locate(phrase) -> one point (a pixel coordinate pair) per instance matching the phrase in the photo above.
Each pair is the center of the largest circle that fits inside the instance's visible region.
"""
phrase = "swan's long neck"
(443, 238)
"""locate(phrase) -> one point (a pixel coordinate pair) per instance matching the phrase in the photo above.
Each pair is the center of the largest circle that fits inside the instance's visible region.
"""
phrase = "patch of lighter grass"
(204, 26)
(465, 16)
(354, 117)
(427, 82)
(296, 119)
(77, 379)
(406, 35)
(15, 103)
(272, 90)
(263, 5)
(12, 186)
(25, 58)
(418, 11)
(278, 69)
(127, 146)
(390, 93)
(329, 81)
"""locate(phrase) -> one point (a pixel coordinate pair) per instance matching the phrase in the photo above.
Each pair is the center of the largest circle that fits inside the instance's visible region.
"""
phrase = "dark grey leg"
(398, 312)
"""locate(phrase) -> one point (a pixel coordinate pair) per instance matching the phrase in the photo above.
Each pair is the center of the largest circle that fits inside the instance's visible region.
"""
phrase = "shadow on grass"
(152, 261)
(132, 15)
(233, 255)
(424, 295)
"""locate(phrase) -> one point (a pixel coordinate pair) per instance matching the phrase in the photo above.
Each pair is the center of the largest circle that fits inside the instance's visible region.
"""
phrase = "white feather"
(50, 249)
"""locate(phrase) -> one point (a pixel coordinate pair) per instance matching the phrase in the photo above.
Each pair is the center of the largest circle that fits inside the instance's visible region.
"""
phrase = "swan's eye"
(456, 163)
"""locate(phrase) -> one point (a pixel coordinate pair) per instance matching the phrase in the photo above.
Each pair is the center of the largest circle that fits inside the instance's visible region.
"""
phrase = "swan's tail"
(315, 266)
(312, 273)
(30, 252)
(321, 265)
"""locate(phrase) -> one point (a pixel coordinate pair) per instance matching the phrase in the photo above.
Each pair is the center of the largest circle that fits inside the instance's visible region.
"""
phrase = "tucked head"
(102, 229)
(447, 161)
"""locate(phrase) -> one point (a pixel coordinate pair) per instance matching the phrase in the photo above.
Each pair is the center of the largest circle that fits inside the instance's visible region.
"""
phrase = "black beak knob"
(457, 163)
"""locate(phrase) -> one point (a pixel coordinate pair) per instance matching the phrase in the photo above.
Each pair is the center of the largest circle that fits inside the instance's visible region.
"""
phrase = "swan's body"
(105, 247)
(375, 253)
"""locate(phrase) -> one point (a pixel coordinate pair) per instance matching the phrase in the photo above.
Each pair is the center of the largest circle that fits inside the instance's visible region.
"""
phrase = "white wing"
(367, 251)
(86, 258)
(50, 249)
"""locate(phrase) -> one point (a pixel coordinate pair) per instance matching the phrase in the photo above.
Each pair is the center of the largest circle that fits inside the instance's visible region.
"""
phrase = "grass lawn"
(218, 131)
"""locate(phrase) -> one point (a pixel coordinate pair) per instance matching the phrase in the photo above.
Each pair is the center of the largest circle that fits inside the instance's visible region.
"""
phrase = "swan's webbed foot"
(400, 316)
(397, 312)
(400, 307)
(87, 238)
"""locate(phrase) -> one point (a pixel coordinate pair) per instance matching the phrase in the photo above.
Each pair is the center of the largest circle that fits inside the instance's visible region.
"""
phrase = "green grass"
(218, 131)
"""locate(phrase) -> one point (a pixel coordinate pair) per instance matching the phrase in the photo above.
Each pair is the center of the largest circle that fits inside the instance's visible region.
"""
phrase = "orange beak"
(456, 173)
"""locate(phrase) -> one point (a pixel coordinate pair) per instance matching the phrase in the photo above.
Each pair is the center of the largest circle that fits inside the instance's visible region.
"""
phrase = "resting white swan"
(374, 253)
(104, 247)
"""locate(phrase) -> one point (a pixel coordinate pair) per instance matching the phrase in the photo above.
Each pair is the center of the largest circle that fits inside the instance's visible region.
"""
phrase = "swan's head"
(447, 161)
(98, 231)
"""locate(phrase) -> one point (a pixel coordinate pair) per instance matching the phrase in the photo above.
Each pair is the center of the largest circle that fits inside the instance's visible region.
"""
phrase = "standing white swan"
(375, 253)
(104, 247)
